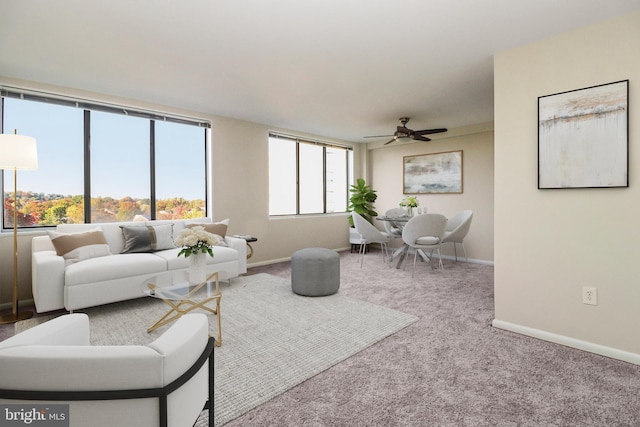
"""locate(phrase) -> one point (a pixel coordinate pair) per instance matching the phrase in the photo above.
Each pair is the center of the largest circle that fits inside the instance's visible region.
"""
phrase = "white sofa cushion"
(113, 267)
(174, 262)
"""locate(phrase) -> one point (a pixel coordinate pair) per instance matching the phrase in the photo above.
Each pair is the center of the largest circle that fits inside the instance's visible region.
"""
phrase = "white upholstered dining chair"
(393, 229)
(425, 232)
(370, 234)
(457, 229)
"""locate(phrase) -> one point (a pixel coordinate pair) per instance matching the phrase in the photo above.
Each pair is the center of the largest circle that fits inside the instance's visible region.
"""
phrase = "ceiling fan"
(404, 132)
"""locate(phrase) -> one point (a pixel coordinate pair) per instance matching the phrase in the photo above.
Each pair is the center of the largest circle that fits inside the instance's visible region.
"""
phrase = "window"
(100, 163)
(307, 177)
(181, 171)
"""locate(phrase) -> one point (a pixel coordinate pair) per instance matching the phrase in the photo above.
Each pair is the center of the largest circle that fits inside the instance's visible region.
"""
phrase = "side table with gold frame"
(249, 239)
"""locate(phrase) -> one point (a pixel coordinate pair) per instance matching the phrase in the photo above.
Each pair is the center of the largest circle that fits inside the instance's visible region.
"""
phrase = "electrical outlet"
(589, 295)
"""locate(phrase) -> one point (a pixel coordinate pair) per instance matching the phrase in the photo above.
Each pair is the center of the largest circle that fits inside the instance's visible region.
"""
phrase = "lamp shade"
(18, 151)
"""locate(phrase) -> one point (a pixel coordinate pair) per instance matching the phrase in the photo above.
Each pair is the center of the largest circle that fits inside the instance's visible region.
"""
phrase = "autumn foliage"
(38, 209)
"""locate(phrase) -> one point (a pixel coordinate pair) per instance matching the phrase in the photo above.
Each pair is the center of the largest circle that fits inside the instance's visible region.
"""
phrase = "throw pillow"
(75, 247)
(147, 238)
(213, 228)
(217, 228)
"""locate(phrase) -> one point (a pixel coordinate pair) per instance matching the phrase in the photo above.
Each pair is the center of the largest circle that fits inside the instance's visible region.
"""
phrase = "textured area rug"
(272, 339)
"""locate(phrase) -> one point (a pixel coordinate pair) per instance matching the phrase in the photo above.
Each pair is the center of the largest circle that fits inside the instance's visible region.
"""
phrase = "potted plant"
(409, 202)
(361, 201)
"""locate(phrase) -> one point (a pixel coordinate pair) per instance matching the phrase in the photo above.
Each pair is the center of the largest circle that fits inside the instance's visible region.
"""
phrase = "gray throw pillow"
(147, 238)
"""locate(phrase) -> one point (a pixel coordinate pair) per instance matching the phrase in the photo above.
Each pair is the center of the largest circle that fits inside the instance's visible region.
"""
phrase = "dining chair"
(370, 234)
(425, 232)
(394, 229)
(457, 229)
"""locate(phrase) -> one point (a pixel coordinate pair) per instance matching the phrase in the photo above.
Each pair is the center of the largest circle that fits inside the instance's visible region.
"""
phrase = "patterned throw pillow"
(147, 238)
(75, 247)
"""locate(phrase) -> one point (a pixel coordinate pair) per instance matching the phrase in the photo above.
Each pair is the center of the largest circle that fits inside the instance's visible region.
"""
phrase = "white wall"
(551, 243)
(476, 143)
(241, 192)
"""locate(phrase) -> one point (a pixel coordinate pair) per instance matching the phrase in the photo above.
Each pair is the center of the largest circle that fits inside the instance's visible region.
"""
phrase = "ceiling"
(336, 68)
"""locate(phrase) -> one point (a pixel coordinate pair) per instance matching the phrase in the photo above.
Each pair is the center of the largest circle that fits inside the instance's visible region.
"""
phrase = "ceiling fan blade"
(390, 141)
(420, 138)
(377, 136)
(430, 131)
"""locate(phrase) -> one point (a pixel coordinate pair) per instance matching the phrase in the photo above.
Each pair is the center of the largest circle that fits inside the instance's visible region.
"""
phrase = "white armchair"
(165, 383)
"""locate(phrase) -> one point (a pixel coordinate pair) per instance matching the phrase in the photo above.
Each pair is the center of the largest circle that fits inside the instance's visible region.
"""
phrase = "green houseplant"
(361, 201)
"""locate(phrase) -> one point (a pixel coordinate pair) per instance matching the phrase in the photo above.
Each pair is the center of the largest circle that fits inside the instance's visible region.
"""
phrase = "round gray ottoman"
(315, 272)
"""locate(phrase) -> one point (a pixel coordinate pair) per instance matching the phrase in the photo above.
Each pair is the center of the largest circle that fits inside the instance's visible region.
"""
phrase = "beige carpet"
(272, 338)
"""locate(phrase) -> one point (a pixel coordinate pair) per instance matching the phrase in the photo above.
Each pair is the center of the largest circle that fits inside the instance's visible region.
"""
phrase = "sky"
(119, 153)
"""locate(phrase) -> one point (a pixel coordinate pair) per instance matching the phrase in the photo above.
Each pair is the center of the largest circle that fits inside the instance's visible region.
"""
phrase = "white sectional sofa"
(100, 274)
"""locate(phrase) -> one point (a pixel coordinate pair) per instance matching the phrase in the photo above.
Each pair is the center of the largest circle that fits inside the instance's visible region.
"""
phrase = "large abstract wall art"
(433, 173)
(583, 138)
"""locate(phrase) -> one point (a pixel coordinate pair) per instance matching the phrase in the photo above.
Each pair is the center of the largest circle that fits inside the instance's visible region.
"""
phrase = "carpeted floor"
(450, 368)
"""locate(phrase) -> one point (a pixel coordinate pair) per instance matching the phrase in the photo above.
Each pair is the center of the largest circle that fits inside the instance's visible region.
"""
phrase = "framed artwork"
(583, 137)
(433, 173)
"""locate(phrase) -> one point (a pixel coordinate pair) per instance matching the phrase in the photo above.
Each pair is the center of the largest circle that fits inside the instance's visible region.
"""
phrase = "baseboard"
(286, 259)
(469, 260)
(590, 347)
(23, 303)
(268, 262)
(277, 260)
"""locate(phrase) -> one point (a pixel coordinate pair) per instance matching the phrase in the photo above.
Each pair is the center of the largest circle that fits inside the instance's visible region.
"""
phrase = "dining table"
(398, 222)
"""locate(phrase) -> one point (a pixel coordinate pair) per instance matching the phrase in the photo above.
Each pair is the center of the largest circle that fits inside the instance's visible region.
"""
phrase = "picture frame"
(435, 173)
(583, 138)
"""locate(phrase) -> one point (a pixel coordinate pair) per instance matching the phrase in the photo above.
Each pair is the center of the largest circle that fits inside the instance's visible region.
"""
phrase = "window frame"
(88, 106)
(348, 172)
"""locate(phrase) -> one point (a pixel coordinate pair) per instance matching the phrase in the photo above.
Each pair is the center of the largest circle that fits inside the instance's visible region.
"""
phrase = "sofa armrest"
(69, 329)
(182, 344)
(241, 246)
(41, 243)
(80, 368)
(47, 280)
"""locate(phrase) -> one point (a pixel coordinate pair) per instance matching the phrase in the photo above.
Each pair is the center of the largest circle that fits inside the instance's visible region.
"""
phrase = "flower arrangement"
(195, 240)
(410, 202)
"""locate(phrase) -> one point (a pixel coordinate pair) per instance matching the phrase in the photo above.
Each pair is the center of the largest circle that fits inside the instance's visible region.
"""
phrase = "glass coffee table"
(182, 297)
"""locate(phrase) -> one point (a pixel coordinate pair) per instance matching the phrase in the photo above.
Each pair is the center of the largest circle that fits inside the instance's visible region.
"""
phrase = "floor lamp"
(16, 152)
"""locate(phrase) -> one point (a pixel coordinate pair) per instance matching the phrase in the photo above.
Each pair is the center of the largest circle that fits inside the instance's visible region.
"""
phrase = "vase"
(197, 268)
(409, 211)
